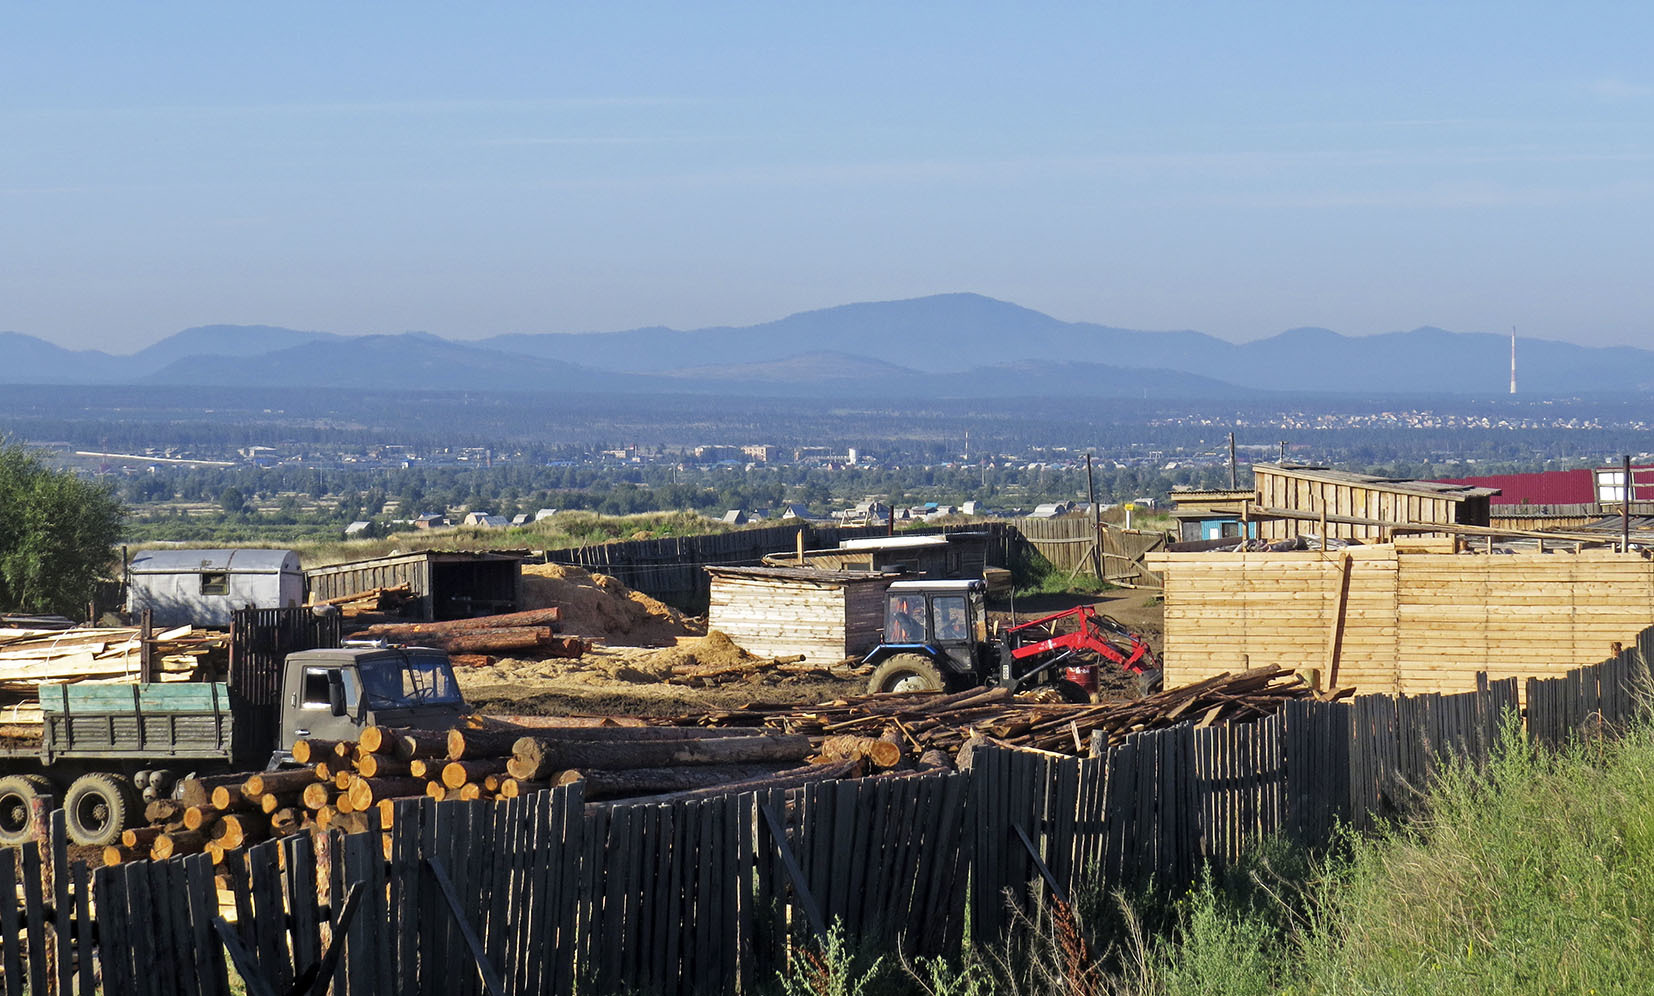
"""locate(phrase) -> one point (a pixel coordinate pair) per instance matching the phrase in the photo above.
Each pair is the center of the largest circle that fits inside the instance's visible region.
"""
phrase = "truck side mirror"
(336, 692)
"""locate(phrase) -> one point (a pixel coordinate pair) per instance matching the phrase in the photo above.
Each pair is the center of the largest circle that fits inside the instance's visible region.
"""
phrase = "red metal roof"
(1553, 487)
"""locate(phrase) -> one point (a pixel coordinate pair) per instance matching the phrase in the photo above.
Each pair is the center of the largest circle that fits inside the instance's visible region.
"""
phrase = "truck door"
(325, 705)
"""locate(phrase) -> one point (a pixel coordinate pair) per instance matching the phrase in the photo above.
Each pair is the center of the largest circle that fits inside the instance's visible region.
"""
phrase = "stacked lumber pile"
(388, 599)
(929, 721)
(92, 655)
(532, 633)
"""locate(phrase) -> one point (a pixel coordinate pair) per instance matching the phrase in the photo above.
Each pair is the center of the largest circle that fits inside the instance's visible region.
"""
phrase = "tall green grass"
(1536, 876)
(1533, 876)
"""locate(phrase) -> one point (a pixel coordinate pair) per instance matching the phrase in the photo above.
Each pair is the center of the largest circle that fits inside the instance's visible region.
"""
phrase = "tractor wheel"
(97, 807)
(906, 673)
(17, 792)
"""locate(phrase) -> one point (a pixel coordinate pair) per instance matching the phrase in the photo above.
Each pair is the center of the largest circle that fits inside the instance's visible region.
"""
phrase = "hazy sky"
(470, 169)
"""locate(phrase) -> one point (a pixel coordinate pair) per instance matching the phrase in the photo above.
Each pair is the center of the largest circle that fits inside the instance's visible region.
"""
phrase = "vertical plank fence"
(546, 894)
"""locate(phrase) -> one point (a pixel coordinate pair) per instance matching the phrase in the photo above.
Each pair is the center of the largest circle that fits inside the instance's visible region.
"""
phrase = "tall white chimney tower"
(1513, 359)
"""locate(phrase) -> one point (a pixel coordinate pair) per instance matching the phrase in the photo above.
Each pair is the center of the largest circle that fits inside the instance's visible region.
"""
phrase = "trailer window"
(215, 583)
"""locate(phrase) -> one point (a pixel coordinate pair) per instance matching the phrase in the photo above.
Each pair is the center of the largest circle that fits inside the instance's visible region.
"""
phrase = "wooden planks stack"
(1413, 619)
(92, 655)
(930, 721)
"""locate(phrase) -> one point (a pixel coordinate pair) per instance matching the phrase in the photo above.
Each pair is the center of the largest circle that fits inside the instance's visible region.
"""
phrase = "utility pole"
(1625, 509)
(1234, 482)
(1096, 520)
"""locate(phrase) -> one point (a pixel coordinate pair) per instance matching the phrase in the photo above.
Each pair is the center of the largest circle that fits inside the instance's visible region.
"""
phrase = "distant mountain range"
(949, 345)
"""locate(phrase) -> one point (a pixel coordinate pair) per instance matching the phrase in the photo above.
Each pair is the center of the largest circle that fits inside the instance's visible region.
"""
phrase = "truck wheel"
(17, 792)
(96, 809)
(906, 673)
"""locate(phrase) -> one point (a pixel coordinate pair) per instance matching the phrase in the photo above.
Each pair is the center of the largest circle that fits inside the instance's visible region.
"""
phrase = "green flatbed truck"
(105, 747)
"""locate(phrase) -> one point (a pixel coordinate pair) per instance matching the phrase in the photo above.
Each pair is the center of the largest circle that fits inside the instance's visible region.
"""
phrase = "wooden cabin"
(826, 616)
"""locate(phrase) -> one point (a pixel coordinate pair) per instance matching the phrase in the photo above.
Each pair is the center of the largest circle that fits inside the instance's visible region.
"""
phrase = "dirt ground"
(614, 680)
(627, 681)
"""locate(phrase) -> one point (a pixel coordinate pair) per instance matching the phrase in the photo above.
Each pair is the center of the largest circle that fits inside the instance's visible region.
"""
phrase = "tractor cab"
(942, 623)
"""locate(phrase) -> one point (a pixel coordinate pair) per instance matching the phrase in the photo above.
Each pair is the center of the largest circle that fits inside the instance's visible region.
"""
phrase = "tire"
(906, 673)
(17, 792)
(97, 808)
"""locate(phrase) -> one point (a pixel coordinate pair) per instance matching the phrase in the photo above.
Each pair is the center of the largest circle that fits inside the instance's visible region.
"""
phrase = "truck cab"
(331, 694)
(101, 744)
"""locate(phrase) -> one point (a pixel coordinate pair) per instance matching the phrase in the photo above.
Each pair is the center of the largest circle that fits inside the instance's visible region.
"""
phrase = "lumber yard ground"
(648, 660)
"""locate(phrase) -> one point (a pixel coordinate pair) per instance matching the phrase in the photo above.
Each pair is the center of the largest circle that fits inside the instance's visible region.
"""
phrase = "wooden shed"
(780, 611)
(448, 584)
(1358, 506)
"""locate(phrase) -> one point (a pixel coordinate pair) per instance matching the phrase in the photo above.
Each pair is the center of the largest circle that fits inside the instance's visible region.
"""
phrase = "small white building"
(200, 587)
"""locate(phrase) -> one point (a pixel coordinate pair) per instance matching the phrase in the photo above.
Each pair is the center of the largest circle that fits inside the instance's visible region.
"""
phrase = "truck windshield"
(410, 680)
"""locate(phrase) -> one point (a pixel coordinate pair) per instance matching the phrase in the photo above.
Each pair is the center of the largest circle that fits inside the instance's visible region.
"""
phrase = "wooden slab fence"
(543, 894)
(670, 568)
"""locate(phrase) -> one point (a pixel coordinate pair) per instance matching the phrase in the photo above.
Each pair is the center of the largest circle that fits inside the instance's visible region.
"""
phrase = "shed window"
(215, 583)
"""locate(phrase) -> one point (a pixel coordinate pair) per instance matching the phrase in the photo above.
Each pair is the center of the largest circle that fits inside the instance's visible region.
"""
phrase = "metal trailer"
(202, 587)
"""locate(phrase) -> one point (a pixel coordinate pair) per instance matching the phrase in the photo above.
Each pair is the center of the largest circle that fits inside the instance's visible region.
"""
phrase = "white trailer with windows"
(200, 587)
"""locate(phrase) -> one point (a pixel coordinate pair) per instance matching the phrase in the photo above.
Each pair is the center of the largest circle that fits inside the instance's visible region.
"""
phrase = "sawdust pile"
(597, 605)
(714, 650)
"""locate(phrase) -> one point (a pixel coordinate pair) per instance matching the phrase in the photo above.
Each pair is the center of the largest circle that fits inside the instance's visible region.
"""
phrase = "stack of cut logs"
(353, 786)
(945, 722)
(532, 633)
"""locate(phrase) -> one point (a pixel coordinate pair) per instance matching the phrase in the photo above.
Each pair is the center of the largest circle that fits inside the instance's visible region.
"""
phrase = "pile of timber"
(353, 786)
(387, 599)
(532, 633)
(763, 669)
(929, 721)
(94, 655)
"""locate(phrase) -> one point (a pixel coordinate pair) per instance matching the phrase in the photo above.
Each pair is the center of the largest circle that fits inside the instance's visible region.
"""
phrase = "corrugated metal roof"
(1553, 487)
(235, 561)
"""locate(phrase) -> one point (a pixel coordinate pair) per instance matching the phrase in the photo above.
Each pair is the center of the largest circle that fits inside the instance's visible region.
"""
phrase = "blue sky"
(475, 169)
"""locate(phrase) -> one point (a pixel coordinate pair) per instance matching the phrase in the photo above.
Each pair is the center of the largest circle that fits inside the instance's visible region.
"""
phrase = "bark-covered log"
(411, 744)
(316, 796)
(198, 791)
(790, 778)
(367, 792)
(548, 617)
(458, 773)
(468, 745)
(378, 766)
(176, 843)
(307, 751)
(537, 757)
(602, 784)
(278, 781)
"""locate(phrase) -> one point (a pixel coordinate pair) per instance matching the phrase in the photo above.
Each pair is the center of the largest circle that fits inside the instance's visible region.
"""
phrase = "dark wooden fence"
(548, 895)
(670, 569)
